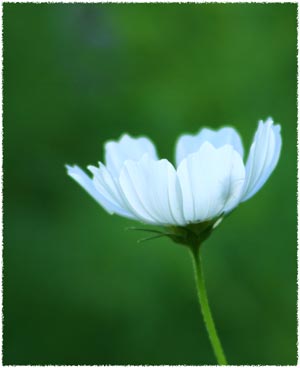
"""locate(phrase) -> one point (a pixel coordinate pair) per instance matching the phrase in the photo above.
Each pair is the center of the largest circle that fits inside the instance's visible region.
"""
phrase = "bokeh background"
(78, 289)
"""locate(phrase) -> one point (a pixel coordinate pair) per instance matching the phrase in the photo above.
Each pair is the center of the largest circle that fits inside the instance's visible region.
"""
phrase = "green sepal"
(193, 235)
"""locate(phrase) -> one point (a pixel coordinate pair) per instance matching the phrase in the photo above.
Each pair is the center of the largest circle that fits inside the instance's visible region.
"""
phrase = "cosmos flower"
(208, 181)
(189, 199)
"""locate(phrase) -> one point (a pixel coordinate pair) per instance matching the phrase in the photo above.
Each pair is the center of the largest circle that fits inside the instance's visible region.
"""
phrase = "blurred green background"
(78, 289)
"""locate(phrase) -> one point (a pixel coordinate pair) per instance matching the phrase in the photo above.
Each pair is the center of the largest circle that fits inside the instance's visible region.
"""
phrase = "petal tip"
(72, 169)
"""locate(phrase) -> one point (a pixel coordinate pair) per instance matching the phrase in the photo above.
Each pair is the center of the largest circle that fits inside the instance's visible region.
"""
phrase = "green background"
(78, 289)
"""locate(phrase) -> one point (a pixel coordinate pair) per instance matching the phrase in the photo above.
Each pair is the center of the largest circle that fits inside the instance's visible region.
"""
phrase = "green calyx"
(191, 235)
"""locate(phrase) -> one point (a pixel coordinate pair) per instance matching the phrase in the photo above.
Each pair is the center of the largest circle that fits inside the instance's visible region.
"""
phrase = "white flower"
(210, 178)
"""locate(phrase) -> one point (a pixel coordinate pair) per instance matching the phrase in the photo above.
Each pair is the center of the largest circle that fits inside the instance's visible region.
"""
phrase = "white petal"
(87, 183)
(108, 188)
(263, 157)
(188, 144)
(152, 191)
(127, 148)
(211, 182)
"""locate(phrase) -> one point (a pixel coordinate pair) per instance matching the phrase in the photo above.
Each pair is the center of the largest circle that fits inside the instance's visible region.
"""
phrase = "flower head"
(209, 180)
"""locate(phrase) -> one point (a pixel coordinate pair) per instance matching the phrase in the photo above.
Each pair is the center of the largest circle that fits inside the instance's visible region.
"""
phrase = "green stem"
(203, 300)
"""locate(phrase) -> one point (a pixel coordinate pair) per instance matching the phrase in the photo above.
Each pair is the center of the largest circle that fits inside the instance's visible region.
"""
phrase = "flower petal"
(152, 191)
(263, 157)
(87, 183)
(188, 144)
(127, 148)
(108, 188)
(211, 182)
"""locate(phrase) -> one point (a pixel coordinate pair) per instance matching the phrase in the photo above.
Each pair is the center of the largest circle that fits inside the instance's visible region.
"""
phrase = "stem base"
(203, 301)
